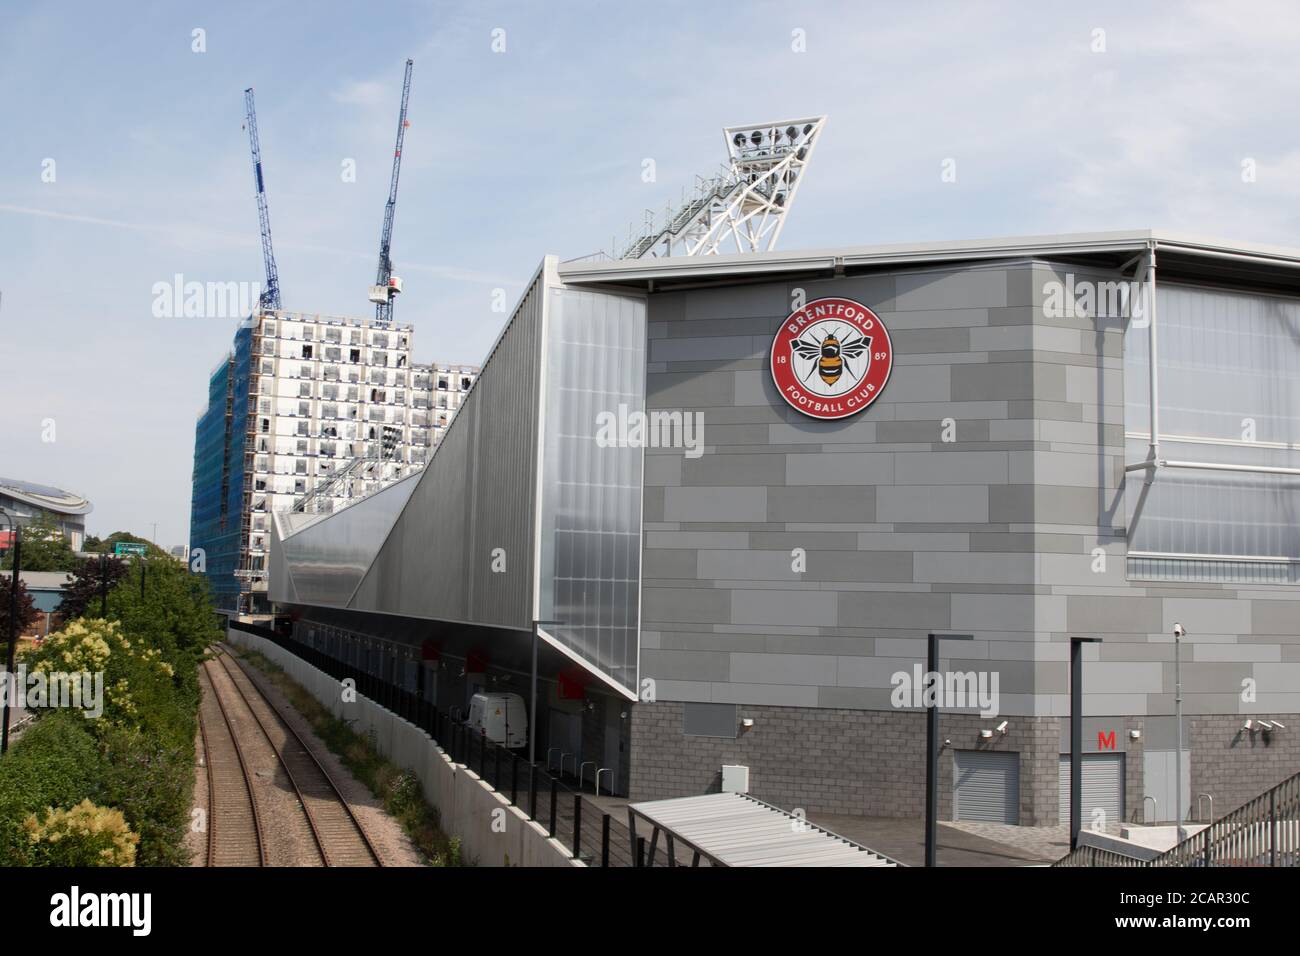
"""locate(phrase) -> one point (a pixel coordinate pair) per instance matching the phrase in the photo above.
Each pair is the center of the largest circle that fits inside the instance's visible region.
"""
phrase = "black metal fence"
(593, 835)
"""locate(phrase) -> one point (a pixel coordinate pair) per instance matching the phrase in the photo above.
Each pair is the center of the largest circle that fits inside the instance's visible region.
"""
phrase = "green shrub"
(85, 835)
(55, 763)
(137, 759)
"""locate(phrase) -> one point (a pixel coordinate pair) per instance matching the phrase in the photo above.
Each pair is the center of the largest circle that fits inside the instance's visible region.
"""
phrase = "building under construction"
(307, 412)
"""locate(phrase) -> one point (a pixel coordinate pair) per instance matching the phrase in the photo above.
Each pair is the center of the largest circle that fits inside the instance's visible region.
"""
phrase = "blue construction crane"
(386, 284)
(270, 297)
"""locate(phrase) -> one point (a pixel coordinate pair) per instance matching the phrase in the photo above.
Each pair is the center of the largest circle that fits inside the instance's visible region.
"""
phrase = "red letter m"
(1105, 741)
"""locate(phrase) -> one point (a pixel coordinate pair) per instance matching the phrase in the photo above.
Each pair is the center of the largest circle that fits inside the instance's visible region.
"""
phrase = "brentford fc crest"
(832, 358)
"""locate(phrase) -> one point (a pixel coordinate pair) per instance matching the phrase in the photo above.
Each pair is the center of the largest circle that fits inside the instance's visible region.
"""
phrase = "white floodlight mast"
(744, 208)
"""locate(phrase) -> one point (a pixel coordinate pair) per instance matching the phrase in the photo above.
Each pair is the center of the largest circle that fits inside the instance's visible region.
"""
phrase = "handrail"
(1249, 835)
(1263, 831)
(1207, 796)
(1155, 803)
(650, 236)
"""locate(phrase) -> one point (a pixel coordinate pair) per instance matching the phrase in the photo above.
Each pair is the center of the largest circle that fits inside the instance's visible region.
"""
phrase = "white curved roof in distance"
(45, 496)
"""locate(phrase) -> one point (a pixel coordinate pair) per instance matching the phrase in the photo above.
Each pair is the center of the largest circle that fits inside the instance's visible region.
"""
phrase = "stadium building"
(25, 503)
(733, 494)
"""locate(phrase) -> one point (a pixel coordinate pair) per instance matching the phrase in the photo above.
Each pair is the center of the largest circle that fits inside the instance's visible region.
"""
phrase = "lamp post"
(1179, 633)
(1076, 735)
(103, 585)
(17, 531)
(932, 743)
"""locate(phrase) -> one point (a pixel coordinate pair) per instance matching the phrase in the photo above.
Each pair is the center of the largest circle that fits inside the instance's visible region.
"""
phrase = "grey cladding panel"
(709, 720)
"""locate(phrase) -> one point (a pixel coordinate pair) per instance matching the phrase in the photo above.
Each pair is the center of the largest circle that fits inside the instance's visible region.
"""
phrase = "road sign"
(128, 547)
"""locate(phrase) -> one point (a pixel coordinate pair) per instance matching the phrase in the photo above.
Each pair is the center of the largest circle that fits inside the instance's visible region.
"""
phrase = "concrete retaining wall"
(491, 831)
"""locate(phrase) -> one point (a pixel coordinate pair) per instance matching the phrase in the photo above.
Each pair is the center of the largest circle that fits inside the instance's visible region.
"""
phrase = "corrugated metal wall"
(475, 496)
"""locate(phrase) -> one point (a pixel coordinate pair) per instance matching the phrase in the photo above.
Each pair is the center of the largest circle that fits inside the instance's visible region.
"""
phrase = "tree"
(44, 547)
(105, 545)
(27, 613)
(81, 596)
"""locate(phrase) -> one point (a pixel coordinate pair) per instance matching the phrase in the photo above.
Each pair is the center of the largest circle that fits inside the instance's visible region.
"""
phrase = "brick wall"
(837, 760)
(1234, 765)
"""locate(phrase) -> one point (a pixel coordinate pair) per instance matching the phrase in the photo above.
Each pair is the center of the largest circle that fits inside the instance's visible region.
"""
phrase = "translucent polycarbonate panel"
(590, 548)
(1229, 393)
(326, 561)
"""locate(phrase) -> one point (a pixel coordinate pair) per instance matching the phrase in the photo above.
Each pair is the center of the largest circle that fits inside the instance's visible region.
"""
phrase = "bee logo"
(830, 356)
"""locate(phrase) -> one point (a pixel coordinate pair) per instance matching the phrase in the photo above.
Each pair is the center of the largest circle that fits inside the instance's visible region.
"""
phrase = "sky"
(123, 163)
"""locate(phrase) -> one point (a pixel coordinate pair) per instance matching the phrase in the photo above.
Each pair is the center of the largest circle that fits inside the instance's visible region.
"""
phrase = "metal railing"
(591, 834)
(1264, 831)
(1086, 856)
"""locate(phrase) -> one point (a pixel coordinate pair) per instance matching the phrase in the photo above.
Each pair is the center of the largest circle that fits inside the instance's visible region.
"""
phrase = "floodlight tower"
(744, 207)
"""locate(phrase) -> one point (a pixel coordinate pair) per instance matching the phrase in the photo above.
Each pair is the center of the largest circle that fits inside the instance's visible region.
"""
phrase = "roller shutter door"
(1103, 787)
(986, 786)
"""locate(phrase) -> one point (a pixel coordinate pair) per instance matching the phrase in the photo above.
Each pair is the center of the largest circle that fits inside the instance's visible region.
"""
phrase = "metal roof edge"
(1065, 244)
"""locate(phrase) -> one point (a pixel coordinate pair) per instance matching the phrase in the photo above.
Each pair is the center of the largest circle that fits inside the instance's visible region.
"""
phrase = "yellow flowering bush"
(96, 646)
(85, 835)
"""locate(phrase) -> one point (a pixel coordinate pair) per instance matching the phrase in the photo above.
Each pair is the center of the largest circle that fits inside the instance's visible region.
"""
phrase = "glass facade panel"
(1229, 393)
(590, 565)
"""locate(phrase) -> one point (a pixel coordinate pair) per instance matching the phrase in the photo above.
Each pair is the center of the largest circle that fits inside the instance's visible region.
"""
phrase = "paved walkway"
(904, 840)
(1050, 843)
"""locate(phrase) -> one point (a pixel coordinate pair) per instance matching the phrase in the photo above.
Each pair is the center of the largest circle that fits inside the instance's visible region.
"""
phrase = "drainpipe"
(1154, 362)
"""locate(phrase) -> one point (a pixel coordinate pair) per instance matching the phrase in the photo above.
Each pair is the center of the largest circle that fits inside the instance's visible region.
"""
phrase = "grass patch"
(397, 789)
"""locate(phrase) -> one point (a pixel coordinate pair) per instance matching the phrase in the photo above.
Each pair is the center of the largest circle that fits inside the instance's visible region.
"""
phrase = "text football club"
(831, 358)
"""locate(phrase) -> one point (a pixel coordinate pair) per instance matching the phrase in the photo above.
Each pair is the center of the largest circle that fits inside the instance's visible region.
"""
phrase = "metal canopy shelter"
(735, 829)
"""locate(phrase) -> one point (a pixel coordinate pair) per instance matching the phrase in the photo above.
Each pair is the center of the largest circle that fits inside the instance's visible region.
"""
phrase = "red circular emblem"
(832, 358)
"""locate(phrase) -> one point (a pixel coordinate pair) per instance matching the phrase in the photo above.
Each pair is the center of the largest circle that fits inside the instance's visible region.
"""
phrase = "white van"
(501, 716)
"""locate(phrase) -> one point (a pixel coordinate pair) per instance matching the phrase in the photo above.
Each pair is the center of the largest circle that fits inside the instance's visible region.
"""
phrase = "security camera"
(1248, 725)
(747, 722)
(1180, 631)
(1279, 725)
(1002, 727)
(1265, 725)
(986, 734)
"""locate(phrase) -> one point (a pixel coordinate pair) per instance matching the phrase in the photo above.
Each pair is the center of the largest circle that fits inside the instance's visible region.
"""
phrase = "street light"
(932, 744)
(103, 585)
(1076, 735)
(1179, 633)
(17, 531)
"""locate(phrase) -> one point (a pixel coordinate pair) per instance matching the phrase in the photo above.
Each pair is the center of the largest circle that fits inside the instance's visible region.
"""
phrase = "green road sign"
(128, 547)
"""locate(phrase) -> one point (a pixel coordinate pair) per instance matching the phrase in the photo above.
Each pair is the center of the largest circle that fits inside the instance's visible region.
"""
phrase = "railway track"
(328, 824)
(235, 833)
